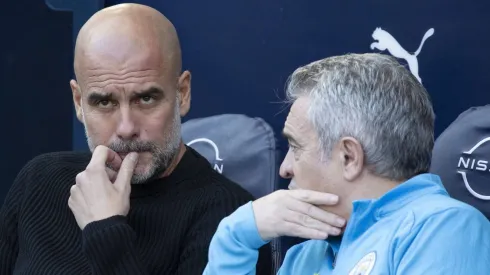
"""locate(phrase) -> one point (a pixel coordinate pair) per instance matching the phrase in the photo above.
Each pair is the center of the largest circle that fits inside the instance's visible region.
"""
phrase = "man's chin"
(141, 169)
(144, 173)
(140, 178)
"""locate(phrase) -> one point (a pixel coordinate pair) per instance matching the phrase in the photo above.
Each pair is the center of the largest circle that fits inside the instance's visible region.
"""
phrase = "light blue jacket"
(413, 229)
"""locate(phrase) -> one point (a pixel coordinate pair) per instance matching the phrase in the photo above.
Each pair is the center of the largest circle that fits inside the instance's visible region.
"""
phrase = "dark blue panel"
(82, 11)
(35, 97)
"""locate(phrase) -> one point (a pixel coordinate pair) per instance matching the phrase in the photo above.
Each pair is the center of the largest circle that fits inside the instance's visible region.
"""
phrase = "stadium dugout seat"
(241, 148)
(461, 158)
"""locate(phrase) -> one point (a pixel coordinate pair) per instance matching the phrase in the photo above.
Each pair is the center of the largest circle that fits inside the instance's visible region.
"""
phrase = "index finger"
(314, 197)
(127, 168)
(101, 156)
(315, 216)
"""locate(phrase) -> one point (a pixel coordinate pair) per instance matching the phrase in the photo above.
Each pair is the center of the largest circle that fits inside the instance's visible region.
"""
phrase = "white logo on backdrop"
(385, 41)
(469, 163)
(218, 165)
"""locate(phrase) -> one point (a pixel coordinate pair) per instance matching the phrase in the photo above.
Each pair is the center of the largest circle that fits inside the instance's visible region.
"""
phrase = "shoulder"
(53, 164)
(46, 173)
(215, 195)
(443, 218)
(209, 182)
(448, 231)
(222, 188)
(55, 160)
(443, 207)
(63, 157)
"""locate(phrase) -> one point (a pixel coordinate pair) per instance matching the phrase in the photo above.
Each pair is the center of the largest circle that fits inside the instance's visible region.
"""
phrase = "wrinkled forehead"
(139, 74)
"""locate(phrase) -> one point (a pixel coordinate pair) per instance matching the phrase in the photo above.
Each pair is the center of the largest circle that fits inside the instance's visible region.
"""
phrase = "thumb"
(126, 171)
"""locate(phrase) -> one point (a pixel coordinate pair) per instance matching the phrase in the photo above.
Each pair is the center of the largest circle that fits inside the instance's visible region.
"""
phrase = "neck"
(175, 161)
(366, 188)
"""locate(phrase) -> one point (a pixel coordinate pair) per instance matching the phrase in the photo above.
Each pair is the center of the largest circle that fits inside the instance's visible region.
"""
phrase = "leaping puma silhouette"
(385, 41)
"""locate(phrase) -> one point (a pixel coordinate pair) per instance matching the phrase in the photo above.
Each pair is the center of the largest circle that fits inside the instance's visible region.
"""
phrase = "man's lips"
(123, 155)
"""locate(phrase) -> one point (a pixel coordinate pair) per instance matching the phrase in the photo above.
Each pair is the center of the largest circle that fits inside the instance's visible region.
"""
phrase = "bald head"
(128, 35)
(129, 90)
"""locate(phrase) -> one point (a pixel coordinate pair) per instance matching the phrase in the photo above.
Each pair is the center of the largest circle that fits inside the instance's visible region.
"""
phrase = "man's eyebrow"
(289, 137)
(96, 97)
(152, 91)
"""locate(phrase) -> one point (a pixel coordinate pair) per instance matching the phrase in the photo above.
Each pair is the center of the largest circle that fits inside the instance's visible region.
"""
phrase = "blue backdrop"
(240, 54)
(35, 68)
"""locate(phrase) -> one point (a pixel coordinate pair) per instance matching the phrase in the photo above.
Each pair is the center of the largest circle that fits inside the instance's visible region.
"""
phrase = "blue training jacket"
(415, 228)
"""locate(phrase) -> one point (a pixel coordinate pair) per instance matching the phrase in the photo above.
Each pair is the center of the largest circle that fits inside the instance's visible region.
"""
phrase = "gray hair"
(374, 99)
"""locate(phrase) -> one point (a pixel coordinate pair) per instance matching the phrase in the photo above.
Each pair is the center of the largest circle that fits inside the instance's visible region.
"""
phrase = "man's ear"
(352, 158)
(77, 98)
(185, 93)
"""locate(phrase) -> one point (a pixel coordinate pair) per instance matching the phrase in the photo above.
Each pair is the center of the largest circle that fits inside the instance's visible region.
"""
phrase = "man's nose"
(286, 170)
(127, 127)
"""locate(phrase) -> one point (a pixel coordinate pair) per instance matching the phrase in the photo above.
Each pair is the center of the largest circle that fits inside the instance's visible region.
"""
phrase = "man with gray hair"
(361, 132)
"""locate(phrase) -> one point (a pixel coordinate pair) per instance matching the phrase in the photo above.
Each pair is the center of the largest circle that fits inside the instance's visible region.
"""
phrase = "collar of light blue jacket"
(367, 212)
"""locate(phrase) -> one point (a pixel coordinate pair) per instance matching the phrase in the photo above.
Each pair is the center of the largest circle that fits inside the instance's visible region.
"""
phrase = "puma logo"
(385, 41)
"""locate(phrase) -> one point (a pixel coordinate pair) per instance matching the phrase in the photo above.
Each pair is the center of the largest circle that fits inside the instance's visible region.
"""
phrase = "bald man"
(140, 202)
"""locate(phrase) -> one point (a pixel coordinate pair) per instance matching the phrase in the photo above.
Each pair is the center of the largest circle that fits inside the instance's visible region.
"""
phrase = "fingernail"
(335, 231)
(133, 156)
(340, 221)
(335, 199)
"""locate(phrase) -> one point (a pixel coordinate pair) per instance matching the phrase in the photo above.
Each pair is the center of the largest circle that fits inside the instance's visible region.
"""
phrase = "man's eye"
(147, 99)
(104, 103)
